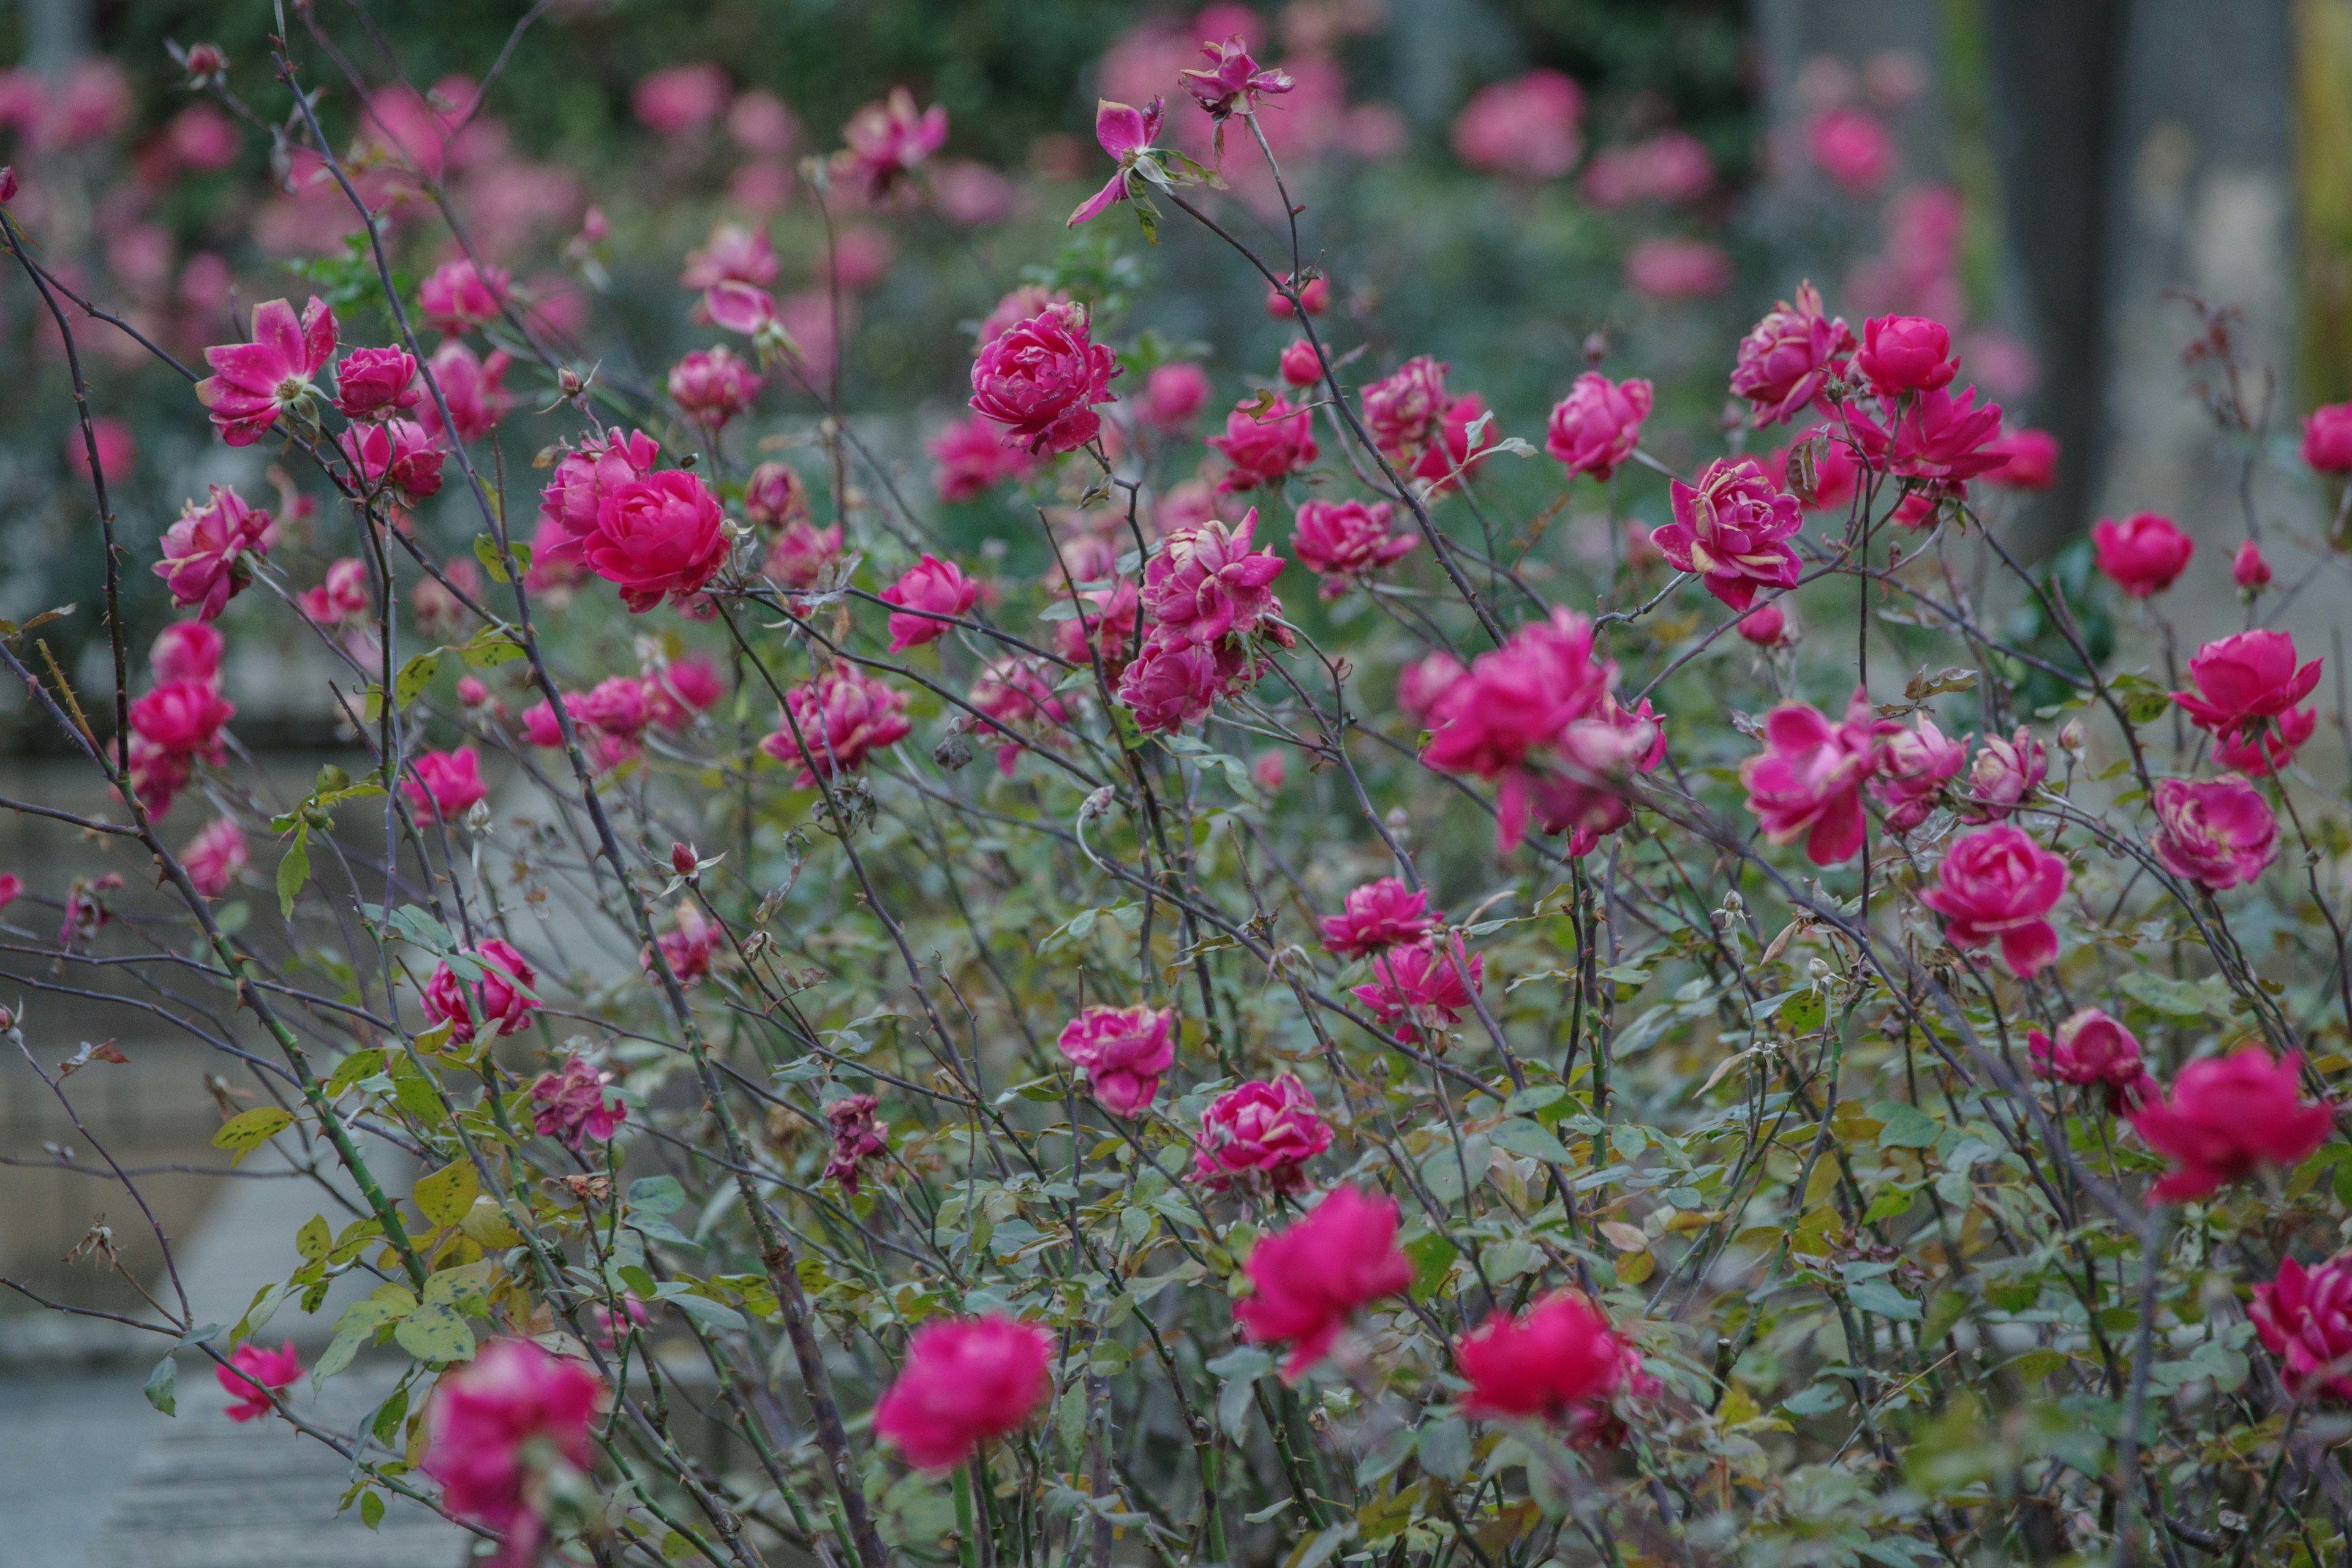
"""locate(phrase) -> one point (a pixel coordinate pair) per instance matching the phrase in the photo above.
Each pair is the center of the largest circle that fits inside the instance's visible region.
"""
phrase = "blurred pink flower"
(501, 1423)
(215, 857)
(1525, 128)
(677, 101)
(1853, 147)
(886, 143)
(444, 783)
(1309, 1279)
(2143, 554)
(966, 1382)
(1667, 269)
(2225, 1118)
(458, 295)
(253, 1373)
(474, 388)
(711, 386)
(2219, 834)
(2093, 1048)
(1172, 395)
(1671, 166)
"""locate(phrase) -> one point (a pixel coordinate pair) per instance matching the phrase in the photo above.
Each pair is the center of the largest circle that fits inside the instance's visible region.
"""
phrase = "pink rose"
(1997, 885)
(2032, 459)
(1344, 542)
(1448, 454)
(253, 1373)
(502, 1001)
(2144, 553)
(1379, 914)
(445, 785)
(966, 1382)
(458, 295)
(2223, 1118)
(2219, 834)
(1300, 366)
(886, 143)
(1041, 378)
(1261, 1135)
(663, 536)
(204, 551)
(2249, 570)
(2247, 688)
(775, 495)
(1786, 357)
(474, 388)
(1940, 435)
(1808, 779)
(1308, 1280)
(1315, 294)
(1172, 395)
(1766, 626)
(1595, 427)
(930, 585)
(187, 650)
(1667, 267)
(2305, 1319)
(732, 254)
(1852, 148)
(1732, 531)
(498, 1426)
(1402, 411)
(183, 719)
(857, 1137)
(569, 1106)
(1905, 353)
(1416, 989)
(1525, 128)
(1206, 584)
(397, 454)
(1558, 1362)
(1017, 696)
(376, 384)
(1910, 770)
(1124, 1050)
(2006, 773)
(687, 685)
(254, 383)
(972, 457)
(1126, 133)
(843, 715)
(603, 462)
(2093, 1048)
(711, 386)
(2328, 438)
(1103, 629)
(1233, 79)
(215, 857)
(803, 554)
(1671, 166)
(679, 100)
(1264, 445)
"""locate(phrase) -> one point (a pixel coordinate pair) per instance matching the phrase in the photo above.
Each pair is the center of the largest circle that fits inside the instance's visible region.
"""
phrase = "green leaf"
(657, 1195)
(243, 1133)
(370, 1509)
(1530, 1139)
(491, 647)
(485, 550)
(313, 1241)
(1944, 1309)
(389, 1417)
(1907, 1126)
(1433, 1258)
(715, 1316)
(162, 1385)
(292, 872)
(1445, 1448)
(446, 1195)
(1878, 1296)
(1315, 1551)
(359, 1064)
(434, 1332)
(415, 677)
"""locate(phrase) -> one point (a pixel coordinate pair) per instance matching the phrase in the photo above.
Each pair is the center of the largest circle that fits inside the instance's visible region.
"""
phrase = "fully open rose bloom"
(1787, 357)
(2093, 1048)
(571, 1108)
(2247, 688)
(1558, 1362)
(930, 585)
(499, 1426)
(1911, 768)
(1416, 988)
(1945, 435)
(1260, 1133)
(1402, 411)
(2218, 833)
(1732, 530)
(1206, 584)
(1376, 915)
(399, 455)
(1344, 541)
(1905, 353)
(444, 783)
(1808, 779)
(1042, 379)
(1997, 886)
(500, 1000)
(1310, 1280)
(602, 464)
(2142, 555)
(1265, 443)
(1124, 1052)
(204, 551)
(254, 383)
(663, 536)
(966, 1382)
(1596, 426)
(2223, 1118)
(251, 1375)
(844, 715)
(2305, 1319)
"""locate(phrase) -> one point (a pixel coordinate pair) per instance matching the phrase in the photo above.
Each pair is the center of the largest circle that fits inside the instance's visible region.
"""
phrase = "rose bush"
(1544, 1048)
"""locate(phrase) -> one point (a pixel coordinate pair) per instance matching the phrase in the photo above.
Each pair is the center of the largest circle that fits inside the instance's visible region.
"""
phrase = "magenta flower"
(1041, 378)
(1732, 531)
(446, 785)
(183, 719)
(2220, 833)
(966, 1382)
(663, 536)
(1307, 1281)
(1124, 1052)
(254, 383)
(1940, 435)
(253, 1375)
(857, 1137)
(1853, 147)
(1376, 915)
(775, 495)
(1525, 128)
(1344, 542)
(1595, 427)
(399, 456)
(2142, 555)
(1417, 989)
(2223, 1119)
(376, 384)
(934, 586)
(602, 463)
(711, 386)
(457, 295)
(1262, 1136)
(1264, 442)
(844, 715)
(886, 143)
(2328, 438)
(1997, 886)
(501, 1001)
(2032, 459)
(204, 551)
(1172, 395)
(1808, 781)
(2305, 1319)
(1403, 411)
(2247, 687)
(2006, 773)
(803, 554)
(1787, 357)
(970, 457)
(473, 387)
(569, 1106)
(1104, 628)
(1127, 134)
(1173, 684)
(733, 254)
(1205, 583)
(1905, 353)
(1018, 698)
(1910, 770)
(2248, 570)
(1233, 81)
(499, 1427)
(215, 857)
(2093, 1048)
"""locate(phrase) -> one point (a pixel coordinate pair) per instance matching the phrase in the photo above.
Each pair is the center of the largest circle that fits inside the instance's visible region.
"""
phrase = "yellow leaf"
(446, 1195)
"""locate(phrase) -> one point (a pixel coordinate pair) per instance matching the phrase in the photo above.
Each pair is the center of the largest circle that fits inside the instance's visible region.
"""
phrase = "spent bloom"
(1910, 770)
(1264, 441)
(500, 1000)
(775, 495)
(1042, 379)
(1126, 133)
(253, 1373)
(2247, 688)
(1786, 358)
(2305, 1319)
(376, 384)
(1732, 530)
(1310, 1278)
(1124, 1052)
(254, 383)
(569, 1106)
(1808, 779)
(2225, 1117)
(844, 715)
(1232, 80)
(204, 551)
(1260, 1133)
(2005, 773)
(930, 585)
(1997, 886)
(1174, 683)
(1905, 353)
(1404, 410)
(1596, 426)
(2218, 833)
(1378, 915)
(1017, 696)
(1560, 1360)
(2093, 1048)
(500, 1426)
(2143, 553)
(663, 536)
(966, 1382)
(857, 1137)
(1344, 541)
